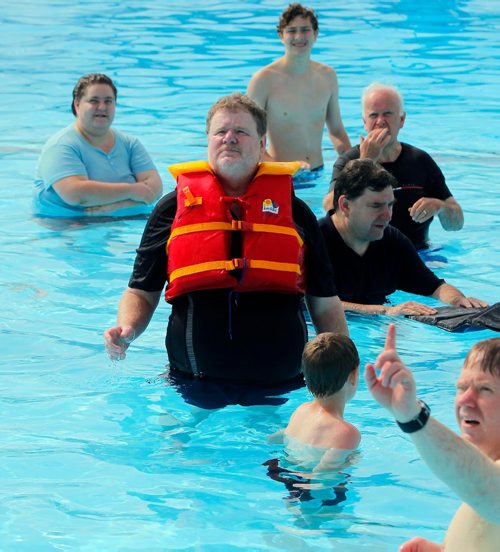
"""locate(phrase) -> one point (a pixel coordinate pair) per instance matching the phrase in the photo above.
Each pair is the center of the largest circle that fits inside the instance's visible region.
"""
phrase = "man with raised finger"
(372, 259)
(469, 464)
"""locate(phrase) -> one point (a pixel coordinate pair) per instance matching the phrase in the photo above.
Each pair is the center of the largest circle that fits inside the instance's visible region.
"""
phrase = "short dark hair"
(296, 10)
(357, 176)
(327, 361)
(88, 80)
(487, 354)
(238, 101)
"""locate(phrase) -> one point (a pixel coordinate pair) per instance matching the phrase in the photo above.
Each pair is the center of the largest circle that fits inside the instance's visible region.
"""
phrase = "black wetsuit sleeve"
(415, 277)
(150, 266)
(318, 269)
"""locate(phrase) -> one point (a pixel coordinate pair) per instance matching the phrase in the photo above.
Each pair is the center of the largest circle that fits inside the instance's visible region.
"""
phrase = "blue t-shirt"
(67, 153)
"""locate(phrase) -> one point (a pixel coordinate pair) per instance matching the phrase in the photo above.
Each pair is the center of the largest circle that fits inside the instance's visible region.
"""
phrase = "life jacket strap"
(234, 264)
(199, 227)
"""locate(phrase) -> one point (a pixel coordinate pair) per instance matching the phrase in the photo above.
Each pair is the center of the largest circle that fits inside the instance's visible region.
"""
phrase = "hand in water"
(117, 340)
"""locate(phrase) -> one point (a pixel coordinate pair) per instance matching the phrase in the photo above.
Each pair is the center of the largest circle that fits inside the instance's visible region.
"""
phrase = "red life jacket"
(200, 241)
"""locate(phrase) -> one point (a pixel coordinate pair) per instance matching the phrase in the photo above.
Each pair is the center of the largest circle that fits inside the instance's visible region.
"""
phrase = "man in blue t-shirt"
(89, 169)
(421, 192)
(372, 259)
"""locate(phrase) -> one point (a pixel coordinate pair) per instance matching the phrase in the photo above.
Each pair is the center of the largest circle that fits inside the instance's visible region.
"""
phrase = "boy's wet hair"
(327, 361)
(88, 80)
(357, 176)
(487, 354)
(297, 10)
(238, 101)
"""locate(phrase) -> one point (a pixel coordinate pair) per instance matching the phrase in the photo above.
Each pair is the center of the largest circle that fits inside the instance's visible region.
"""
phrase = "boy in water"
(317, 439)
(299, 95)
(330, 363)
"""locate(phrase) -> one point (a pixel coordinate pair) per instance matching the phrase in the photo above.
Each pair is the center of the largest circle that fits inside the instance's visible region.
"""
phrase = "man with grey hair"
(422, 192)
(239, 252)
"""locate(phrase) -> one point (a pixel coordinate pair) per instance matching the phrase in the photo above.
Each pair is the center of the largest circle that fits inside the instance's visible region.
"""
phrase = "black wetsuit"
(418, 176)
(389, 264)
(252, 337)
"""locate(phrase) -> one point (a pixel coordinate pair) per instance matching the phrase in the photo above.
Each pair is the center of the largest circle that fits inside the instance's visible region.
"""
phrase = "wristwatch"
(419, 421)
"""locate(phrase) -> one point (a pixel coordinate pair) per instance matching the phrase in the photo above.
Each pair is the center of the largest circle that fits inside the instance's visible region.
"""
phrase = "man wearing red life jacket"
(239, 251)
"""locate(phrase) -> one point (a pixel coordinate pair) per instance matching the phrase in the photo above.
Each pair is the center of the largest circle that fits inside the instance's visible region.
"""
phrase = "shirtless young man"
(469, 464)
(299, 95)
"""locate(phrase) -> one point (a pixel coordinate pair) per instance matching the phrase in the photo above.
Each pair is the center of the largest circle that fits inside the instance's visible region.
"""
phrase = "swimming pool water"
(103, 456)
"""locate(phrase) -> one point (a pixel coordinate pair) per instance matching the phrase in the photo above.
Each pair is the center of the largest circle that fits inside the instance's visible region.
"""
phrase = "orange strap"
(234, 225)
(202, 267)
(273, 265)
(232, 265)
(199, 227)
(271, 228)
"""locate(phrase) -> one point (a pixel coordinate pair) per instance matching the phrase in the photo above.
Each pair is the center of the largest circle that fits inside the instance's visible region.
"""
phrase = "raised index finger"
(390, 340)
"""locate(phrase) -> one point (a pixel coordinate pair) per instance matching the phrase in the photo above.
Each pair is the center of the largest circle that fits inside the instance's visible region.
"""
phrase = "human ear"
(344, 205)
(354, 376)
(262, 147)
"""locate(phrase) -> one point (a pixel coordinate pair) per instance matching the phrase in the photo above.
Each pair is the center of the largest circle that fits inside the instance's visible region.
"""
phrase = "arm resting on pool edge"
(454, 297)
(408, 307)
(327, 314)
(134, 314)
(445, 293)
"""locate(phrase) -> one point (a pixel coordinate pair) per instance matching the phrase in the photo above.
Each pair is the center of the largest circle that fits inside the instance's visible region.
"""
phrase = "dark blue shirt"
(389, 264)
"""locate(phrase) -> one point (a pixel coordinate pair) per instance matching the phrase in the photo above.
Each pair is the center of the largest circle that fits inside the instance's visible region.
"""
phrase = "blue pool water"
(103, 456)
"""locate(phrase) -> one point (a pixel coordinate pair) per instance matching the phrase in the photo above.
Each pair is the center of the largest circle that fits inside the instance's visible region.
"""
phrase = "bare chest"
(468, 531)
(298, 98)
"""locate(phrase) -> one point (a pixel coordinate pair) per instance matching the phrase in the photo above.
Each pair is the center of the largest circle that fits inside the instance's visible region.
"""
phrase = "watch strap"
(418, 422)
